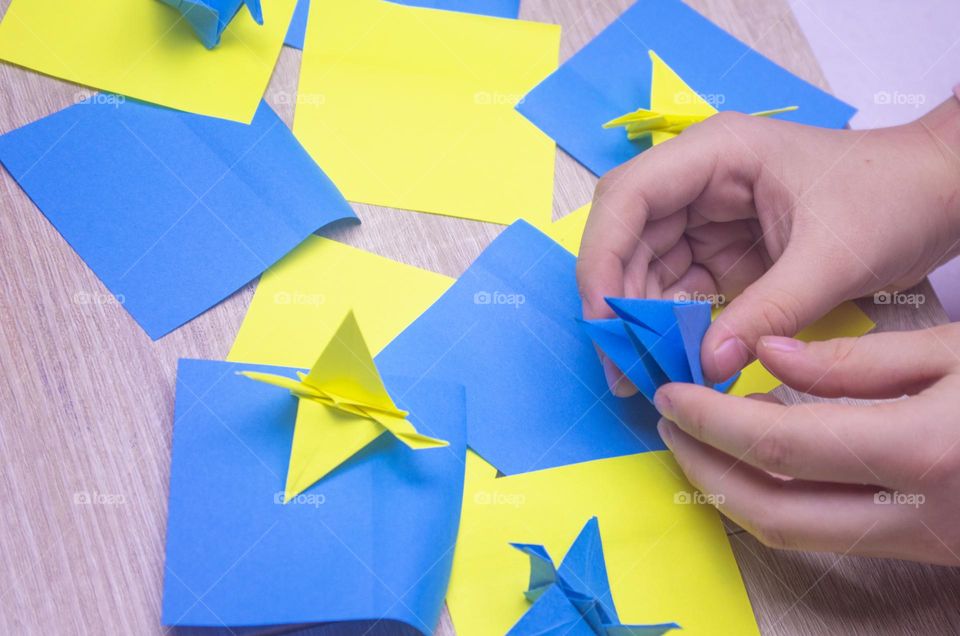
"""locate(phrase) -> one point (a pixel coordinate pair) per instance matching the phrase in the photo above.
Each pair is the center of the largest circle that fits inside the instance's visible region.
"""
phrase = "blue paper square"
(372, 541)
(172, 211)
(610, 76)
(508, 329)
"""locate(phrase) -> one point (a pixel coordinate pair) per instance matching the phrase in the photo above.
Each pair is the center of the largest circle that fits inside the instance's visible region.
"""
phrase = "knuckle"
(778, 313)
(772, 453)
(768, 527)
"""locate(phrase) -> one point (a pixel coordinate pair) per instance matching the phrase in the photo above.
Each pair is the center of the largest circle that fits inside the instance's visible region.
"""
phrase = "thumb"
(800, 288)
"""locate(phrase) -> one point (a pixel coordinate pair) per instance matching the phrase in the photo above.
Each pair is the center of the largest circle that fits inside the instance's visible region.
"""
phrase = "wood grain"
(87, 398)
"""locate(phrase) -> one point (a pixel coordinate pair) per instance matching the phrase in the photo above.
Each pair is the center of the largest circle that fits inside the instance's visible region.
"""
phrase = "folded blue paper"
(507, 330)
(372, 541)
(173, 211)
(610, 76)
(495, 8)
(655, 341)
(574, 599)
(209, 18)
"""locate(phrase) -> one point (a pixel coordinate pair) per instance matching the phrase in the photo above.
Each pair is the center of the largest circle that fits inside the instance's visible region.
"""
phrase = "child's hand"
(908, 450)
(785, 220)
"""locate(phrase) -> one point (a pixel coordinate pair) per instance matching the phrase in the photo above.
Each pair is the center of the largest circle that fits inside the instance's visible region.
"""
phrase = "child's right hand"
(786, 220)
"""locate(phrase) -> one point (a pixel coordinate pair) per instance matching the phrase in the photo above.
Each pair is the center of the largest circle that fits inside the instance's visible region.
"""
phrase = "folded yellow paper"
(414, 108)
(145, 49)
(674, 107)
(344, 406)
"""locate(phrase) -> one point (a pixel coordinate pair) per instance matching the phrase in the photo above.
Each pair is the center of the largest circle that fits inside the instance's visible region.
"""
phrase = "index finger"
(822, 442)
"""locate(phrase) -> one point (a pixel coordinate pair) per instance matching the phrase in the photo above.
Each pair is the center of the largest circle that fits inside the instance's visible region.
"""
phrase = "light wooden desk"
(86, 401)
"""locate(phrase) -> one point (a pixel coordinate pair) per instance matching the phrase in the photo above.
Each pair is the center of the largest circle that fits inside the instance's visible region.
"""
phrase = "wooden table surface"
(86, 402)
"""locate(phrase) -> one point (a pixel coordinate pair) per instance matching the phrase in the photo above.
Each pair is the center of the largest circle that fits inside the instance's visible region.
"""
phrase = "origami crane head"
(674, 107)
(654, 341)
(575, 599)
(209, 18)
(344, 406)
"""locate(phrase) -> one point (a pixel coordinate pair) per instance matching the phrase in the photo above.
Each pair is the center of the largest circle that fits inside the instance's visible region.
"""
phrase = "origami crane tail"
(640, 630)
(404, 431)
(641, 114)
(282, 381)
(775, 111)
(255, 11)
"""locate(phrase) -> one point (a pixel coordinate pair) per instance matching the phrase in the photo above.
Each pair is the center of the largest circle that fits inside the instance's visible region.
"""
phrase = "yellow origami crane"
(674, 107)
(343, 407)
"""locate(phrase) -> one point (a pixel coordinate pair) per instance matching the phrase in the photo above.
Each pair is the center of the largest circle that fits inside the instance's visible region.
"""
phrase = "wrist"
(939, 131)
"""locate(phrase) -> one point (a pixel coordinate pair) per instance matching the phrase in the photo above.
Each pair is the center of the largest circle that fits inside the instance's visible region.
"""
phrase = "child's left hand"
(878, 480)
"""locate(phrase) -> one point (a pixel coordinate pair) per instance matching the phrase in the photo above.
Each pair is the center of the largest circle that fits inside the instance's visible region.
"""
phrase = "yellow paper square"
(414, 108)
(300, 302)
(144, 49)
(667, 555)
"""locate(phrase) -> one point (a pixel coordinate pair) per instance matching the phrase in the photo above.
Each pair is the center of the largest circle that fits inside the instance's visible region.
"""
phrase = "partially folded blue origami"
(655, 341)
(209, 18)
(574, 600)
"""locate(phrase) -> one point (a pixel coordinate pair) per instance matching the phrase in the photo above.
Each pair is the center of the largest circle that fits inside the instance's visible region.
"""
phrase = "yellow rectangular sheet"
(145, 50)
(414, 108)
(300, 302)
(667, 556)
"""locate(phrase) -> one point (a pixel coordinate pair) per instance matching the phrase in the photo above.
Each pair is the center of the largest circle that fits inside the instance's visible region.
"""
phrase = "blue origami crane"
(655, 341)
(209, 18)
(574, 600)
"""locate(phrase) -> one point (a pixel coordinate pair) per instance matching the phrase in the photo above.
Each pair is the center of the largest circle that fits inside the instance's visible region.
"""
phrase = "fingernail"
(612, 374)
(730, 356)
(782, 345)
(663, 403)
(665, 429)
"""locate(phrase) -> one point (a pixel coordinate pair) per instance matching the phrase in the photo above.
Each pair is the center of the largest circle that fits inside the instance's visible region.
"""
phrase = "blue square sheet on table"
(610, 76)
(371, 541)
(508, 331)
(172, 211)
(495, 8)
